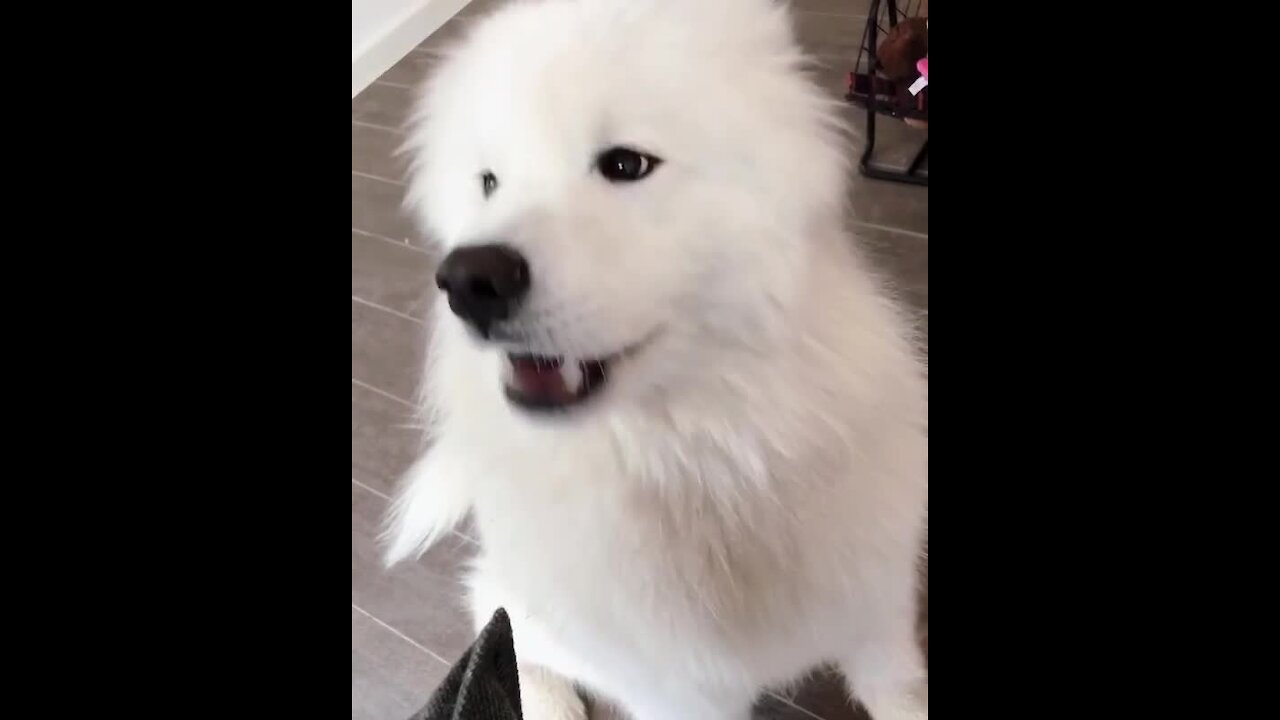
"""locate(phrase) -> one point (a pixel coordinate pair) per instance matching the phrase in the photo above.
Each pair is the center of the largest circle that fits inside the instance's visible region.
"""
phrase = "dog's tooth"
(508, 372)
(571, 373)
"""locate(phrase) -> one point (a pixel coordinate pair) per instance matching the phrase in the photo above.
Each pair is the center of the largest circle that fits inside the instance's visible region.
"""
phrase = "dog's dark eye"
(625, 165)
(489, 182)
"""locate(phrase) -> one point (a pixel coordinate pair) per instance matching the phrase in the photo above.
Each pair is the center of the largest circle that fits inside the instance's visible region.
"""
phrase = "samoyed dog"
(688, 423)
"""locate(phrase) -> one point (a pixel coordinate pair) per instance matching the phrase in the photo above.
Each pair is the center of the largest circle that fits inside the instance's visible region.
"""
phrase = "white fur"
(746, 497)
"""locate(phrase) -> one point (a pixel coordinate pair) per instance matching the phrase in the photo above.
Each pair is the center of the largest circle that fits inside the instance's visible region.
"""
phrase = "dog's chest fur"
(615, 563)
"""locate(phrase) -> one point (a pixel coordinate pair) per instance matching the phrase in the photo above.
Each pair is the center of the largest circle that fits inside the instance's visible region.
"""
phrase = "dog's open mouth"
(541, 382)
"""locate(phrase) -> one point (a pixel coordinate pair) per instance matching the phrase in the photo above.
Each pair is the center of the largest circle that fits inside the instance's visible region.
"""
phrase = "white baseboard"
(386, 49)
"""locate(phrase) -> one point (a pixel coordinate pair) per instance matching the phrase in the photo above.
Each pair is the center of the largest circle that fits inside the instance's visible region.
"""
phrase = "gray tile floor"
(408, 624)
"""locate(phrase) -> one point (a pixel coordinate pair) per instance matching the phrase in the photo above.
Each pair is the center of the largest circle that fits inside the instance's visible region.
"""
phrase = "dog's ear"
(432, 500)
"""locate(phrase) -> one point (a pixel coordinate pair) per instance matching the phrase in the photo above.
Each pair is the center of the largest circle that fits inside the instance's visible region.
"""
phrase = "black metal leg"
(920, 158)
(871, 35)
(882, 173)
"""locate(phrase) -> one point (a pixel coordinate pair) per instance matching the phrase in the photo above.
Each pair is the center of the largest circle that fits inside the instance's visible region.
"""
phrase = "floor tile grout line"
(388, 498)
(379, 178)
(820, 13)
(399, 634)
(375, 126)
(384, 308)
(375, 491)
(383, 393)
(393, 241)
(790, 703)
(890, 228)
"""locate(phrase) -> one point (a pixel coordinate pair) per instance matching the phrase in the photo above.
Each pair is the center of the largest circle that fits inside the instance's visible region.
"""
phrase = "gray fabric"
(483, 684)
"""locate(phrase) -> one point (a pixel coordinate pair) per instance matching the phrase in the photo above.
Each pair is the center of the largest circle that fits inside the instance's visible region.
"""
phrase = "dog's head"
(619, 187)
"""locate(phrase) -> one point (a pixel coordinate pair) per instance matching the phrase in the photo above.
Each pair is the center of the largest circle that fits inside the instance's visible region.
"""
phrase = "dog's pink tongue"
(540, 381)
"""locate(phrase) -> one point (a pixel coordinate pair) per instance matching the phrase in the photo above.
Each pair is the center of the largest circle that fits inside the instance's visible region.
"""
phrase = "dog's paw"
(544, 696)
(910, 705)
(539, 705)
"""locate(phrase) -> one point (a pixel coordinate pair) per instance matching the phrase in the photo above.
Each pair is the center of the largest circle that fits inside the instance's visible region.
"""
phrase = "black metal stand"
(874, 107)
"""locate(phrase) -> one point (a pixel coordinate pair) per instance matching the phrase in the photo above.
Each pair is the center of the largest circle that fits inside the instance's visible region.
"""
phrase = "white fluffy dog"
(690, 426)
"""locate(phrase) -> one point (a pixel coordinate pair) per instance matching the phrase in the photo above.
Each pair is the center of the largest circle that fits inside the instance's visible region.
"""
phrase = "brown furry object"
(906, 42)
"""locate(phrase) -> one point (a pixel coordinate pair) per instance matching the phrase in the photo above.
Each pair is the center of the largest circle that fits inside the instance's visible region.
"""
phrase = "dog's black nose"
(485, 283)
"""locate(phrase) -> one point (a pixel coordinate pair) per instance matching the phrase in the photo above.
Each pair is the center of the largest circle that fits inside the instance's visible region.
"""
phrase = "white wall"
(383, 31)
(370, 18)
